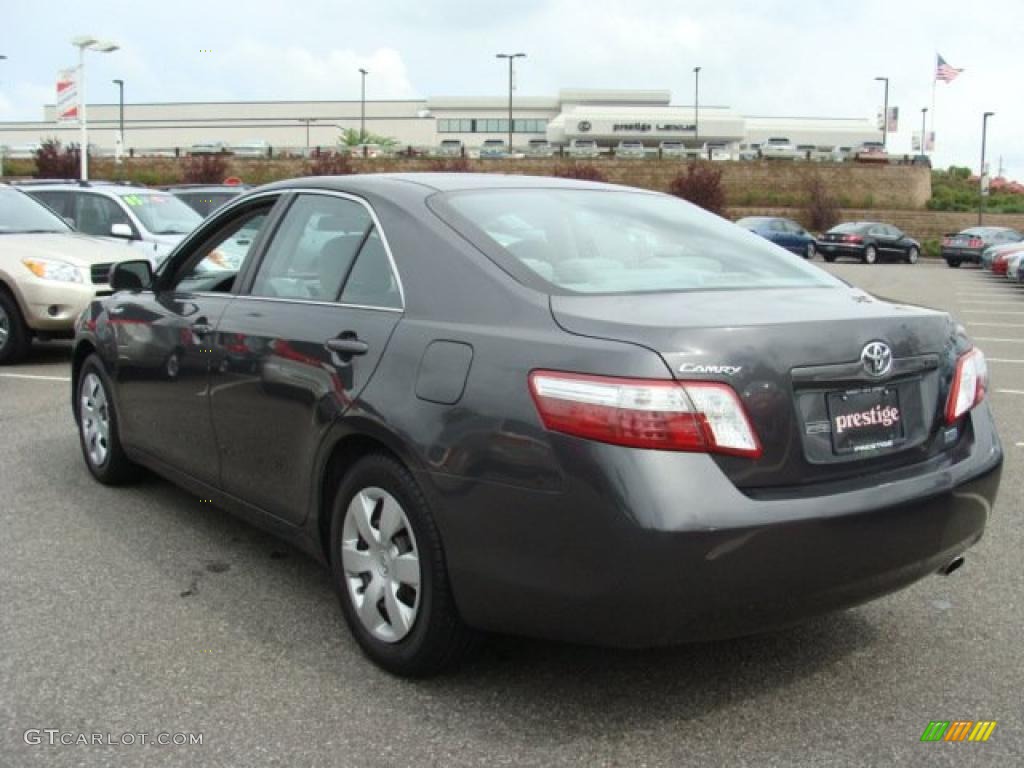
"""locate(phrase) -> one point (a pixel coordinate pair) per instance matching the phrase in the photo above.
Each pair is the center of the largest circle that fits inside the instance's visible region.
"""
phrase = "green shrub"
(700, 184)
(931, 248)
(54, 161)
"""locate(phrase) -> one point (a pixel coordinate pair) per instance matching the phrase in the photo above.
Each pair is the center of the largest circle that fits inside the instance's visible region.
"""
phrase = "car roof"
(442, 182)
(205, 187)
(115, 189)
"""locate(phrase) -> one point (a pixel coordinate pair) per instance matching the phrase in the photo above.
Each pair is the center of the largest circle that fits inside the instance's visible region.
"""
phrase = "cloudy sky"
(800, 57)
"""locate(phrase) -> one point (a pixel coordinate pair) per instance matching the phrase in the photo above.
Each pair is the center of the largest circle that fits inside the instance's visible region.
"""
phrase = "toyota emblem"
(876, 358)
(583, 126)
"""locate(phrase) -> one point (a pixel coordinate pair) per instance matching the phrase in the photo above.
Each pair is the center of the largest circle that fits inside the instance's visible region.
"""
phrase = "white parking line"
(988, 303)
(1003, 360)
(991, 312)
(997, 325)
(34, 377)
(1010, 391)
(1008, 341)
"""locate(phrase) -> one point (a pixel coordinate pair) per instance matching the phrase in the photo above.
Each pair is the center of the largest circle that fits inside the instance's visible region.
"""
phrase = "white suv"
(779, 147)
(151, 220)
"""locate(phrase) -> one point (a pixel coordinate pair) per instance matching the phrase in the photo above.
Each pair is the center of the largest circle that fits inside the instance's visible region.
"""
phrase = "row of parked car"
(59, 240)
(1006, 260)
(866, 241)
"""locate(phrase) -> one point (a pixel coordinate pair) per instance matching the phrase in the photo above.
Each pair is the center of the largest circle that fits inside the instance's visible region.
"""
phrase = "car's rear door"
(298, 347)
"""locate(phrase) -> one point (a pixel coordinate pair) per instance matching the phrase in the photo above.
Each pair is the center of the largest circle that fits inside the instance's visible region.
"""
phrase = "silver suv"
(151, 220)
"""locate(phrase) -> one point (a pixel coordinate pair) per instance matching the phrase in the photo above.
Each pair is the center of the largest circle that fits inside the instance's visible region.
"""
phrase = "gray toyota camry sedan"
(542, 407)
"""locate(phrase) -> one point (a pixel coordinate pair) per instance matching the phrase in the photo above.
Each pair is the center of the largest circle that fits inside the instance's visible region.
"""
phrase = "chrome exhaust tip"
(952, 565)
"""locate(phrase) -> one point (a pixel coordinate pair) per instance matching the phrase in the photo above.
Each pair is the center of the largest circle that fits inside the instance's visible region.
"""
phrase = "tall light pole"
(981, 175)
(120, 121)
(362, 107)
(511, 58)
(924, 138)
(2, 150)
(696, 105)
(83, 43)
(885, 113)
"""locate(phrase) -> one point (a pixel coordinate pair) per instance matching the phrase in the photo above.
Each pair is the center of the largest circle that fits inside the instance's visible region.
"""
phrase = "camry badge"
(876, 358)
(726, 370)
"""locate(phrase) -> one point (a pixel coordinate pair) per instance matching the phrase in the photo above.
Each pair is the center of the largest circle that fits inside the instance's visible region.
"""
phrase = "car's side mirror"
(134, 275)
(121, 230)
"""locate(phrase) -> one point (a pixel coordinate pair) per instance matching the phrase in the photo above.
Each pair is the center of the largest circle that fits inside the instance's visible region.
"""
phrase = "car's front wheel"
(15, 337)
(870, 255)
(913, 255)
(954, 263)
(390, 572)
(97, 426)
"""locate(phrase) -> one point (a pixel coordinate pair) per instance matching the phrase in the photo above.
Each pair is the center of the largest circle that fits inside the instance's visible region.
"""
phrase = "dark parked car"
(204, 199)
(784, 232)
(968, 245)
(869, 241)
(544, 407)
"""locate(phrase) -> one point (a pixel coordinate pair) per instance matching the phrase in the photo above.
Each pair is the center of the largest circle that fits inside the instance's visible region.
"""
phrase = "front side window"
(215, 264)
(590, 241)
(314, 249)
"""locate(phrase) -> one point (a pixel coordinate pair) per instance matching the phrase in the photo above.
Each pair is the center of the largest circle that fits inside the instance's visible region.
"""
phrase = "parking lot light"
(696, 106)
(83, 43)
(120, 121)
(511, 58)
(885, 113)
(362, 108)
(924, 139)
(981, 172)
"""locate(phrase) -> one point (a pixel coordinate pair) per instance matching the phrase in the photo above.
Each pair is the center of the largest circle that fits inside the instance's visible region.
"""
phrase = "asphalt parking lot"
(144, 610)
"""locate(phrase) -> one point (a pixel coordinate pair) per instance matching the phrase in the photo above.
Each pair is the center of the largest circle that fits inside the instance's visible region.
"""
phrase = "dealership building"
(607, 116)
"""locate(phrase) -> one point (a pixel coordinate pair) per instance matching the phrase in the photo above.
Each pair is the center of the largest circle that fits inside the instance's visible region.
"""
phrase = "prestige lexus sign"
(67, 96)
(656, 127)
(588, 126)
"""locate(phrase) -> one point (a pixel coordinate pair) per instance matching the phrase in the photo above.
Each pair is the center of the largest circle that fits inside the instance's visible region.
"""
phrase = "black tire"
(114, 468)
(829, 259)
(437, 638)
(870, 255)
(954, 263)
(913, 255)
(16, 342)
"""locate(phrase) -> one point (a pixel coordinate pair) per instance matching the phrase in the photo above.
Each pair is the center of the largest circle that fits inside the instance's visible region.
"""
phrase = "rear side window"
(60, 202)
(596, 241)
(95, 215)
(324, 243)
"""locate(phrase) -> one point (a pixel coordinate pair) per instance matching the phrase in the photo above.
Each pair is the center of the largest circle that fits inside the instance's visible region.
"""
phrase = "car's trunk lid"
(795, 358)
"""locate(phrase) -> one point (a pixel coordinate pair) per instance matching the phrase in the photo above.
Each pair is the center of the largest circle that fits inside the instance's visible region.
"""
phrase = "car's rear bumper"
(962, 255)
(839, 249)
(659, 548)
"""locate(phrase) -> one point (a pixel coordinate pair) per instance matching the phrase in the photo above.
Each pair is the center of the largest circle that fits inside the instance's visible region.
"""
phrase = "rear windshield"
(594, 241)
(853, 226)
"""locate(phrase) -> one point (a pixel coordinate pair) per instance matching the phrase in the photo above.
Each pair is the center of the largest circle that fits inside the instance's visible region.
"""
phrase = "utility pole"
(511, 58)
(981, 175)
(885, 113)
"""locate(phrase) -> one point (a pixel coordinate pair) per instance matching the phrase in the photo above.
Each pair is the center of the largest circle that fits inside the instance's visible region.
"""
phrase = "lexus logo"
(583, 126)
(876, 358)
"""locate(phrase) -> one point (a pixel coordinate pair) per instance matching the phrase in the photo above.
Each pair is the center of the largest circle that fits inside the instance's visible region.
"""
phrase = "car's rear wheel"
(15, 336)
(98, 426)
(390, 572)
(912, 255)
(870, 255)
(809, 251)
(954, 263)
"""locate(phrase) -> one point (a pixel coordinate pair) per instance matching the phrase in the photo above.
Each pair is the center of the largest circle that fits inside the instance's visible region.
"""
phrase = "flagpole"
(935, 80)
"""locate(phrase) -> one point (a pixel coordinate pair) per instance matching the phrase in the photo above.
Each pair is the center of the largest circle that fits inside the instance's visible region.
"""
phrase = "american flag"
(944, 72)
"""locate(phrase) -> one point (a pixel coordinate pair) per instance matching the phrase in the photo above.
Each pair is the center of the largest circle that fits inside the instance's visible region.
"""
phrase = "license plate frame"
(864, 419)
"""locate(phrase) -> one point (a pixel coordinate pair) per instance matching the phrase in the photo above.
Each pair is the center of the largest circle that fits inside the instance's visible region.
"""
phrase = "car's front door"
(298, 346)
(164, 340)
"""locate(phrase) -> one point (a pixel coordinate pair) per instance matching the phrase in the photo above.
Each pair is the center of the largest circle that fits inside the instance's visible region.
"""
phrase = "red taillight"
(970, 382)
(853, 238)
(645, 413)
(975, 242)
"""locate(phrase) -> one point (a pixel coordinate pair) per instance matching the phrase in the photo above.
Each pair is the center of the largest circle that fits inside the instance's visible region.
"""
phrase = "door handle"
(347, 345)
(201, 328)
